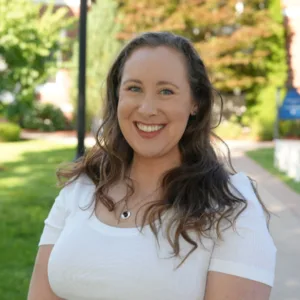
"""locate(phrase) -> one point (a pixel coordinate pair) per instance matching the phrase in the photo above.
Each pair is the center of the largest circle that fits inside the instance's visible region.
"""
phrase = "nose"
(148, 105)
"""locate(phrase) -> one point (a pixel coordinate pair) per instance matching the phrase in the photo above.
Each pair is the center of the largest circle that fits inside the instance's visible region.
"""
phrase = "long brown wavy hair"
(199, 190)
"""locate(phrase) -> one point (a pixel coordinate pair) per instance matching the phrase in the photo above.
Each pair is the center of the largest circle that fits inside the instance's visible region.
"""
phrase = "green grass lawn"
(265, 158)
(27, 191)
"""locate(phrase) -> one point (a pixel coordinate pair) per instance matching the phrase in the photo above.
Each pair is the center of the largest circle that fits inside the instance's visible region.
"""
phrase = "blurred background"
(252, 51)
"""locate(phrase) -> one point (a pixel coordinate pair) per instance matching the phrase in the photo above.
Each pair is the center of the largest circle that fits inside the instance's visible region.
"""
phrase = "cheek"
(124, 109)
(180, 108)
(179, 114)
(178, 124)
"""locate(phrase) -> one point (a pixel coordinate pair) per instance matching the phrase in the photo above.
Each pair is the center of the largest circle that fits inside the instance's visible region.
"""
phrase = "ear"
(194, 110)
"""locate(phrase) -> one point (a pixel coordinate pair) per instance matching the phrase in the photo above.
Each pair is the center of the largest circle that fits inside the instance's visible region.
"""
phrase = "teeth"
(149, 128)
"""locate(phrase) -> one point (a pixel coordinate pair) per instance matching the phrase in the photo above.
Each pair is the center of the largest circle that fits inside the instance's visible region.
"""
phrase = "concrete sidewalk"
(284, 227)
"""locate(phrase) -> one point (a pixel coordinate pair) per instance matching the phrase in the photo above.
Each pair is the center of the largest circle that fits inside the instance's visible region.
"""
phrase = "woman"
(151, 212)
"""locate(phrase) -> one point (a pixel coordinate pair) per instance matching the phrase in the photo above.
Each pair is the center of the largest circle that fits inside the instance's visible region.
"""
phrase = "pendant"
(125, 214)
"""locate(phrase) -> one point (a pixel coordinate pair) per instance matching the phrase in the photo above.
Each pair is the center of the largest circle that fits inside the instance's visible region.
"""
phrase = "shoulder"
(242, 187)
(77, 193)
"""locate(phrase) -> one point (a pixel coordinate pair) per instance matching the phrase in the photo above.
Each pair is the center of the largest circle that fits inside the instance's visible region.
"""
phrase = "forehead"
(160, 62)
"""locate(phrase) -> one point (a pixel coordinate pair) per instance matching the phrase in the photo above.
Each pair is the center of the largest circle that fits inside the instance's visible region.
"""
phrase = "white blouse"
(91, 260)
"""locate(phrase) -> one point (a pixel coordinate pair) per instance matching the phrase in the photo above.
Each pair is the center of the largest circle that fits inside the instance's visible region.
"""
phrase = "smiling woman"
(151, 212)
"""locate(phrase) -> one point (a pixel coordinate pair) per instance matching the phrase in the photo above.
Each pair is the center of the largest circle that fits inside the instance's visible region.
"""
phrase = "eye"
(134, 89)
(166, 92)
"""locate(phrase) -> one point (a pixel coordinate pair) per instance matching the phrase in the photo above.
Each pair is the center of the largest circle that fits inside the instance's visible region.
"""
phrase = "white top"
(91, 260)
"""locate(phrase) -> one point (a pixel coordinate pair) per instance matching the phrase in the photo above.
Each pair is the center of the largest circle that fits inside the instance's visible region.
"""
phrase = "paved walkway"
(284, 227)
(280, 200)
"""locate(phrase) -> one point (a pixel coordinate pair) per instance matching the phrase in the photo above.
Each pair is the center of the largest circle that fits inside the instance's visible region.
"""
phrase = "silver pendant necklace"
(125, 214)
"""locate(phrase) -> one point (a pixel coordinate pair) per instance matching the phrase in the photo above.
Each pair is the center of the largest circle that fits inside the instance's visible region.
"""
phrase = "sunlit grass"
(265, 158)
(27, 191)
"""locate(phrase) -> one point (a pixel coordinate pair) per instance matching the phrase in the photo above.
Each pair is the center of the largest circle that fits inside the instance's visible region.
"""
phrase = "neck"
(147, 172)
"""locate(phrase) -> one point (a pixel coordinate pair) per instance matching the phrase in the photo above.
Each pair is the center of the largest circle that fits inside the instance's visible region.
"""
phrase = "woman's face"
(154, 101)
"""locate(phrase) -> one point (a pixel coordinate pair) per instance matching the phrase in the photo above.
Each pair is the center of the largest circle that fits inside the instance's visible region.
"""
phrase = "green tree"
(264, 111)
(102, 46)
(241, 42)
(29, 43)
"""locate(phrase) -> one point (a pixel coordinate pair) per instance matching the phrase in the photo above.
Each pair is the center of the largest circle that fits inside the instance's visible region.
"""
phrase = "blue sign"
(290, 108)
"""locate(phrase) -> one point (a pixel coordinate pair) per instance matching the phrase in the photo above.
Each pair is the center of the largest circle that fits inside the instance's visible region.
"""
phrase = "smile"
(149, 128)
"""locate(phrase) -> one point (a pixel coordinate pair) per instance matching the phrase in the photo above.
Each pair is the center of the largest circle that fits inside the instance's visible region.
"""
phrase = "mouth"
(149, 127)
(149, 131)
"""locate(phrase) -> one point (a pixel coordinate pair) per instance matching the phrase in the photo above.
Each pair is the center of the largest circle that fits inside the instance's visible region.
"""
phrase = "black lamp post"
(81, 79)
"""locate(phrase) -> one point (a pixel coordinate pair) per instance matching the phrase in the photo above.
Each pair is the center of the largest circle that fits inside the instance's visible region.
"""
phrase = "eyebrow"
(167, 82)
(162, 82)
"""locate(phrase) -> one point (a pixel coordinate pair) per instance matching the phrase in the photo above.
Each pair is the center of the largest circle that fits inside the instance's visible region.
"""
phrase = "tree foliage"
(228, 41)
(241, 42)
(102, 46)
(29, 42)
(264, 111)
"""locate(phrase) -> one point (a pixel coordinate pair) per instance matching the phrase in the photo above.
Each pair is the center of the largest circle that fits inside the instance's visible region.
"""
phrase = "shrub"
(9, 132)
(45, 117)
(229, 130)
(289, 128)
(262, 129)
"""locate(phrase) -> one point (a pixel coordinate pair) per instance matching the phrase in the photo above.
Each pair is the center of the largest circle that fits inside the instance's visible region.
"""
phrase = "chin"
(155, 152)
(148, 154)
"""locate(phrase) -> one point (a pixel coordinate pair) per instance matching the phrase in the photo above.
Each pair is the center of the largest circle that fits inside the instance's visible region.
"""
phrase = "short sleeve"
(247, 250)
(55, 221)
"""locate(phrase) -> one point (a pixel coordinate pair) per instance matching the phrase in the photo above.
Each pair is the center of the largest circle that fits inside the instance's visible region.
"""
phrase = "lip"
(148, 124)
(148, 135)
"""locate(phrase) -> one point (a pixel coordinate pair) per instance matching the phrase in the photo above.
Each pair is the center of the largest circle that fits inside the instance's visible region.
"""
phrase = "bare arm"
(222, 286)
(39, 285)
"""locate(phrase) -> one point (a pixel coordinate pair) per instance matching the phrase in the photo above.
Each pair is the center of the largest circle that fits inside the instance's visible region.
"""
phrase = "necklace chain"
(126, 212)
